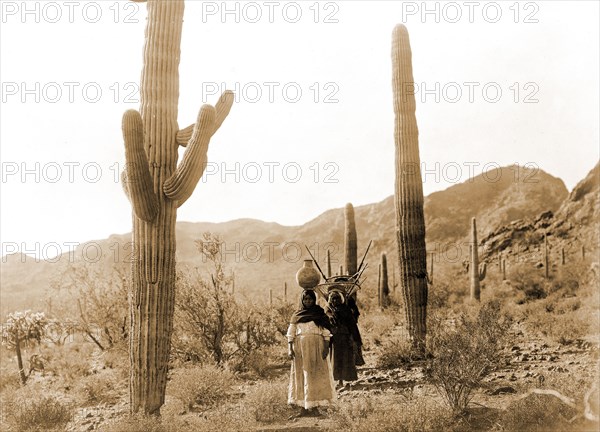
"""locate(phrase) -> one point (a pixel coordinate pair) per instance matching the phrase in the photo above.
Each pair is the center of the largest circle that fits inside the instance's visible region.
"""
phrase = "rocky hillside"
(265, 255)
(573, 230)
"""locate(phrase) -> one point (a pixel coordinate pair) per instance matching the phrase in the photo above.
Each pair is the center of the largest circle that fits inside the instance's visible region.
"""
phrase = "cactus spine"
(350, 247)
(410, 222)
(477, 272)
(156, 186)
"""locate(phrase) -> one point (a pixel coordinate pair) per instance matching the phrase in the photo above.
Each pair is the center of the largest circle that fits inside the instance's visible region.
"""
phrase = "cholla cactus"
(21, 327)
(410, 221)
(156, 186)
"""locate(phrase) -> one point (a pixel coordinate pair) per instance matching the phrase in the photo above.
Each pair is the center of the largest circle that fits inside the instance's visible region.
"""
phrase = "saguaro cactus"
(384, 289)
(350, 247)
(156, 187)
(410, 222)
(477, 272)
(546, 258)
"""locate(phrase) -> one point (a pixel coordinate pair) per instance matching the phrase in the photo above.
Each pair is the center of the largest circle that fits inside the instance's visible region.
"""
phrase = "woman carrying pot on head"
(311, 380)
(345, 336)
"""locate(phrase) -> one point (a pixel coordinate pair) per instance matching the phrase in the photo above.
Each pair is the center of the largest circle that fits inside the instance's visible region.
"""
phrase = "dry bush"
(70, 362)
(266, 402)
(464, 352)
(376, 326)
(140, 423)
(419, 414)
(32, 409)
(563, 328)
(396, 353)
(537, 413)
(103, 387)
(205, 386)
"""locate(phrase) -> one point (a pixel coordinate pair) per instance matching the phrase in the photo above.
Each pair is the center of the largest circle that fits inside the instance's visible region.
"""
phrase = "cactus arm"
(180, 186)
(222, 108)
(124, 183)
(482, 271)
(139, 184)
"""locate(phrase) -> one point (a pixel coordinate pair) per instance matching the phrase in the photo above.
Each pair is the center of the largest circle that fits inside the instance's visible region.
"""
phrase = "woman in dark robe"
(345, 335)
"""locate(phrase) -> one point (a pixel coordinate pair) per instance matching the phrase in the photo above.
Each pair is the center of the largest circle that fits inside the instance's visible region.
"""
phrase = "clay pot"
(308, 277)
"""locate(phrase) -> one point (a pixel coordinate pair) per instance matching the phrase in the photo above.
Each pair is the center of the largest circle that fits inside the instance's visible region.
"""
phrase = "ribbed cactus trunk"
(350, 247)
(477, 273)
(156, 187)
(410, 221)
(384, 289)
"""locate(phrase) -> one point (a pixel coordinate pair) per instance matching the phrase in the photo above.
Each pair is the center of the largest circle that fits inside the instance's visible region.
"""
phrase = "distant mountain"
(265, 255)
(574, 225)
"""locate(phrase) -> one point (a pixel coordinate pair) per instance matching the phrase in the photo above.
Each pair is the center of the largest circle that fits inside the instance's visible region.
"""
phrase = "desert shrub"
(9, 379)
(537, 413)
(205, 386)
(419, 414)
(267, 402)
(37, 413)
(466, 352)
(209, 324)
(563, 328)
(375, 327)
(70, 362)
(99, 388)
(396, 353)
(140, 423)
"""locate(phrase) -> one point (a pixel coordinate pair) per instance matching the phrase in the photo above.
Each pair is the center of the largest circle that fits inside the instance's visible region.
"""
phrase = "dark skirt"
(344, 367)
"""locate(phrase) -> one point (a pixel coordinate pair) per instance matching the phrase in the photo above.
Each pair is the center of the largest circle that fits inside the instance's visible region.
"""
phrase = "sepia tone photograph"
(300, 216)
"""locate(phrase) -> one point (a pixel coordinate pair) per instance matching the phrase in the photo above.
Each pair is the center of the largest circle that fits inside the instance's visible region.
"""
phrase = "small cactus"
(350, 247)
(546, 258)
(478, 271)
(383, 286)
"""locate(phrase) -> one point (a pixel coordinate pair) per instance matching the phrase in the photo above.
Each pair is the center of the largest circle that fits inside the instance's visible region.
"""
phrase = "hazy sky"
(499, 83)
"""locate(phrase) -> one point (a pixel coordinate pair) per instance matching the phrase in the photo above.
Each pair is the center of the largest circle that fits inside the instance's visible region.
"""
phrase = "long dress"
(345, 337)
(311, 379)
(344, 364)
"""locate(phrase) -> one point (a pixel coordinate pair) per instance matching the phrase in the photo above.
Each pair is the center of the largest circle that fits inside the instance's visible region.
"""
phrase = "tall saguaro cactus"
(477, 272)
(410, 221)
(350, 247)
(156, 187)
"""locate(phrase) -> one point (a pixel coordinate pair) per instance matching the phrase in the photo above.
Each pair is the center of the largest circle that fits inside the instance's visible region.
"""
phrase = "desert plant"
(102, 387)
(415, 414)
(205, 386)
(267, 402)
(477, 272)
(101, 299)
(350, 243)
(464, 355)
(410, 221)
(396, 353)
(383, 286)
(38, 413)
(156, 187)
(19, 329)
